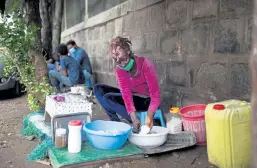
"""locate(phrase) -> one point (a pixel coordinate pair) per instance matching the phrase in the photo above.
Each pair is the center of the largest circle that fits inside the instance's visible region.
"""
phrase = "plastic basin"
(107, 134)
(156, 137)
(193, 117)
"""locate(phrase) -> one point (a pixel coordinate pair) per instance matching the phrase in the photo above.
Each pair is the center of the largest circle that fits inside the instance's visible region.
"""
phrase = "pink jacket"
(145, 82)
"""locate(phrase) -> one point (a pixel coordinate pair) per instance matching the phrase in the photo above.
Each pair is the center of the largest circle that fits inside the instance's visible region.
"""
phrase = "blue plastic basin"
(107, 134)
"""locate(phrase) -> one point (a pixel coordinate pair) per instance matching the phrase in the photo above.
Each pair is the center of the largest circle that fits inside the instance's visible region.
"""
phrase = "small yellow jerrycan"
(228, 130)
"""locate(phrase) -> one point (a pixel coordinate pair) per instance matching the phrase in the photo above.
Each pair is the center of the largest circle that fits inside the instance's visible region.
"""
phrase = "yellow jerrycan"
(228, 131)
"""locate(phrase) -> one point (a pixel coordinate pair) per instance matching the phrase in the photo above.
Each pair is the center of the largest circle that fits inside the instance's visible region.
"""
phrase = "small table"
(59, 113)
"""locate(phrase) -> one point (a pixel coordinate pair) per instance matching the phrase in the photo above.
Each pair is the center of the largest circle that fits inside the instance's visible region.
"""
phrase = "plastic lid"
(60, 131)
(218, 107)
(75, 123)
(174, 110)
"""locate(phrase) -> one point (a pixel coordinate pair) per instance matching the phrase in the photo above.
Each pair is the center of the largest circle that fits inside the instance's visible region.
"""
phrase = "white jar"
(74, 139)
(175, 125)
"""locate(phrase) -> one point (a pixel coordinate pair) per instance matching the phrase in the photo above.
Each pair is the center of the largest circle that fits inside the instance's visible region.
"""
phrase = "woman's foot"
(136, 123)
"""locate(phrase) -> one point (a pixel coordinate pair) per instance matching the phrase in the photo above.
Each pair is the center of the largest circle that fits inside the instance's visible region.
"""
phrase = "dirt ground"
(14, 147)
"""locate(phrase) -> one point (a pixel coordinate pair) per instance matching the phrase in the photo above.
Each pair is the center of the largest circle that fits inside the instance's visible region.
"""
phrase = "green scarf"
(128, 66)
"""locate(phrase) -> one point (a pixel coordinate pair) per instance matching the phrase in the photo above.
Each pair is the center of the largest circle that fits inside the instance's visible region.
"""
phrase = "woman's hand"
(59, 68)
(149, 120)
(136, 123)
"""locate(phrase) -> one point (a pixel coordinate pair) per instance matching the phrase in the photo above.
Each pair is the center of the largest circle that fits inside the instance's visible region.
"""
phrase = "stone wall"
(200, 47)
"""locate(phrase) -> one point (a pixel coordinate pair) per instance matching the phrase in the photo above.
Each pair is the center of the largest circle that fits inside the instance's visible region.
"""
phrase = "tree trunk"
(35, 53)
(2, 6)
(253, 64)
(57, 24)
(34, 19)
(46, 32)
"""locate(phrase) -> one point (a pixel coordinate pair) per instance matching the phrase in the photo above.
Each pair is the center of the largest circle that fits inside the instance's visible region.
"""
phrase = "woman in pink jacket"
(139, 87)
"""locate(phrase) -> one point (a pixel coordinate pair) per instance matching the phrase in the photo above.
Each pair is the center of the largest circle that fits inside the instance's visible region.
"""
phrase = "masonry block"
(214, 79)
(177, 12)
(153, 42)
(248, 38)
(195, 39)
(78, 37)
(118, 26)
(90, 34)
(129, 25)
(65, 39)
(169, 42)
(205, 8)
(96, 64)
(139, 4)
(96, 33)
(100, 48)
(110, 30)
(100, 77)
(176, 74)
(183, 96)
(146, 20)
(138, 43)
(102, 32)
(240, 82)
(166, 101)
(195, 97)
(112, 65)
(92, 48)
(106, 78)
(226, 37)
(105, 64)
(112, 80)
(241, 6)
(161, 68)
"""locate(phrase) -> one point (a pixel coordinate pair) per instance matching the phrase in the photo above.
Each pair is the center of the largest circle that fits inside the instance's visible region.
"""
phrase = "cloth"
(58, 80)
(87, 76)
(70, 64)
(145, 82)
(82, 57)
(111, 100)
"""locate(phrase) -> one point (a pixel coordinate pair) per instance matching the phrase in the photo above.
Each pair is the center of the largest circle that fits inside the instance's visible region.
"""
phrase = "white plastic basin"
(156, 137)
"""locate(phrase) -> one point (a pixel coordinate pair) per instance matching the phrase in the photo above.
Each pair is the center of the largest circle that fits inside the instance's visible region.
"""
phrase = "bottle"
(174, 124)
(74, 139)
(60, 138)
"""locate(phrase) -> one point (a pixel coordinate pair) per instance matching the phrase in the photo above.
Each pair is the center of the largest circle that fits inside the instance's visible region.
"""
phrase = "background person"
(82, 57)
(67, 73)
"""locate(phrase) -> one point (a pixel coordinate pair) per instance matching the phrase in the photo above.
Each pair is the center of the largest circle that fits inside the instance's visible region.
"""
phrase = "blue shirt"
(81, 56)
(70, 64)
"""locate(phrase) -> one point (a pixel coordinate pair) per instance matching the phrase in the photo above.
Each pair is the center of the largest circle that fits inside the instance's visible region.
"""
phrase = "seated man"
(68, 71)
(81, 56)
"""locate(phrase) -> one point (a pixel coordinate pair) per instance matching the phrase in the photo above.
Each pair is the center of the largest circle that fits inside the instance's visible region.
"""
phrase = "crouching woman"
(138, 86)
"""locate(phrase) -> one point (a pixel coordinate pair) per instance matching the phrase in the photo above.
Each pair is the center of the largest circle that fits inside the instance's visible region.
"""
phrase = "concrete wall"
(200, 47)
